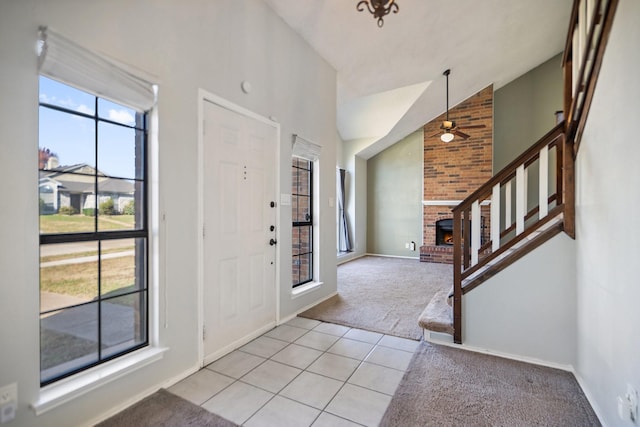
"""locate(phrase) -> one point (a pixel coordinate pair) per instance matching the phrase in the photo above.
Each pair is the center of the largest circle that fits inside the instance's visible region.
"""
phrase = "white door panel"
(239, 287)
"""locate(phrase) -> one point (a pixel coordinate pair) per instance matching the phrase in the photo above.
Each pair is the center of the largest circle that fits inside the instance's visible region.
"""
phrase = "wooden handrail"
(577, 107)
(595, 20)
(552, 214)
(546, 235)
(463, 255)
(507, 173)
(512, 227)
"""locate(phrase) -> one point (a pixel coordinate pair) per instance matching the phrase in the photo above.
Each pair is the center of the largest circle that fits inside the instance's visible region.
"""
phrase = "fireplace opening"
(444, 232)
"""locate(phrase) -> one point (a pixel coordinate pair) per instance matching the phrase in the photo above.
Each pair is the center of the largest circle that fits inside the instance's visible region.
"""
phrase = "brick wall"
(454, 170)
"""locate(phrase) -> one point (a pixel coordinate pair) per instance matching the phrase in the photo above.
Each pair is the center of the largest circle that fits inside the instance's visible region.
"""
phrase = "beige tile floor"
(303, 373)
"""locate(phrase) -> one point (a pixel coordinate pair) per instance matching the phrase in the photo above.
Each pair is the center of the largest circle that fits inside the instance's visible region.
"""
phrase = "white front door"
(239, 272)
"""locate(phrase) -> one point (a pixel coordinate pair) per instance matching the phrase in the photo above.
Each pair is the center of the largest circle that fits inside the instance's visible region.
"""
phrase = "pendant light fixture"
(447, 136)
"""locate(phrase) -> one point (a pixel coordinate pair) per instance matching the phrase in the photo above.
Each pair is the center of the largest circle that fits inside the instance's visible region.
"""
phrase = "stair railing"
(494, 204)
(500, 214)
(589, 28)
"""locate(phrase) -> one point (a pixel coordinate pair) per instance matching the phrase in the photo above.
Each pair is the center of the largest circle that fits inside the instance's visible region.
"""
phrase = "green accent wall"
(394, 198)
(524, 110)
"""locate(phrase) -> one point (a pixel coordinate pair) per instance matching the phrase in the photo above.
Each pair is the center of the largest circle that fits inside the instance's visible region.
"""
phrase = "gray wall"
(188, 46)
(394, 198)
(524, 111)
(356, 189)
(607, 180)
(526, 315)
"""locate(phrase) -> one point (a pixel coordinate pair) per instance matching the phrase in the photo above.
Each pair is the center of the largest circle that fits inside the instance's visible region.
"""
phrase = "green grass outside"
(52, 224)
(81, 280)
(84, 254)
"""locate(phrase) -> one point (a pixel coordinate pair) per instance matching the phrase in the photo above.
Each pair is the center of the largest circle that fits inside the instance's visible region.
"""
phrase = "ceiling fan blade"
(461, 134)
(473, 127)
(435, 134)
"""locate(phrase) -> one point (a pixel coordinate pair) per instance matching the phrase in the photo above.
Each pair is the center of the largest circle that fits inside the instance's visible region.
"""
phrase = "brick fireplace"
(454, 170)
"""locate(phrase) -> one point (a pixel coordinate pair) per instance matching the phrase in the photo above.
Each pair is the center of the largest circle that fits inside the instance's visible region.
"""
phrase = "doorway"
(239, 220)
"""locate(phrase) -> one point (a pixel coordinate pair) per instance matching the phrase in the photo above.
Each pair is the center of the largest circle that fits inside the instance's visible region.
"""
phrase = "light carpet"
(167, 410)
(382, 294)
(445, 386)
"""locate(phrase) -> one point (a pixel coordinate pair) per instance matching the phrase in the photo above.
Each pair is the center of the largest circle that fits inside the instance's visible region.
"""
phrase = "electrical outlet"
(8, 393)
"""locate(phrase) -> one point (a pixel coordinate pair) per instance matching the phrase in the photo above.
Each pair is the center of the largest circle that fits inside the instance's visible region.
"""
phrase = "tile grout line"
(322, 353)
(293, 379)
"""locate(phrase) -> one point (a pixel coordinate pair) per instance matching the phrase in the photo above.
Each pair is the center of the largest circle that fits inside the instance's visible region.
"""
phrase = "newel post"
(457, 278)
(568, 186)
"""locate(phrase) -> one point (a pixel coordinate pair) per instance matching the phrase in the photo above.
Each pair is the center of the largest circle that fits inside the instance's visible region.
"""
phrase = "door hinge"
(204, 333)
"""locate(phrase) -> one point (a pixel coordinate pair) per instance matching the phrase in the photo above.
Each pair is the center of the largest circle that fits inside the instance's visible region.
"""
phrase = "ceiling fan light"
(446, 137)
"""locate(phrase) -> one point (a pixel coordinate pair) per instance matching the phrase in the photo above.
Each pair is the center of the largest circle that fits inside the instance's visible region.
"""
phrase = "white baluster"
(508, 219)
(495, 218)
(475, 232)
(521, 201)
(543, 190)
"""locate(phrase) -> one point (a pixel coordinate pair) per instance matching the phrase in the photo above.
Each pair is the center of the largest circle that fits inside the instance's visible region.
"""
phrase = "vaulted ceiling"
(390, 80)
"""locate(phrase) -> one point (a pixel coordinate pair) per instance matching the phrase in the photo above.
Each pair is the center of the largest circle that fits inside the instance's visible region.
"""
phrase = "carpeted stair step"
(438, 315)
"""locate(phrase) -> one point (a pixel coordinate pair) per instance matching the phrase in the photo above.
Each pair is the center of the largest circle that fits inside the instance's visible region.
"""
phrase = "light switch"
(285, 199)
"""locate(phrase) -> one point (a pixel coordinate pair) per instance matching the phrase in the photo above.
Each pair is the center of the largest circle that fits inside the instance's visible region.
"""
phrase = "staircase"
(532, 199)
(518, 223)
(506, 199)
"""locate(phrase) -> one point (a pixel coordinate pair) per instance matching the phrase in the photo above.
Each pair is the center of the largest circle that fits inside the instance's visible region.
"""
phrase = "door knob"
(273, 242)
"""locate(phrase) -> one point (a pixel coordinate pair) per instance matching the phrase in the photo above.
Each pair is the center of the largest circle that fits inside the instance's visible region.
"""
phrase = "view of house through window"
(93, 230)
(302, 215)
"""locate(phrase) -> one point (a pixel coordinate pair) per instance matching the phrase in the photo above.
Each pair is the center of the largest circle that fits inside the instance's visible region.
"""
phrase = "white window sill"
(298, 291)
(65, 390)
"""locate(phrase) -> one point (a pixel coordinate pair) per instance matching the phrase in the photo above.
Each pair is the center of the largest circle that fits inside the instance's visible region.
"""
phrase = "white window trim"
(65, 390)
(298, 291)
(60, 58)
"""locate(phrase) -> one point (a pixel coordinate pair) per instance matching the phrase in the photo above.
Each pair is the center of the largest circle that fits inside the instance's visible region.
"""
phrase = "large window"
(302, 214)
(93, 230)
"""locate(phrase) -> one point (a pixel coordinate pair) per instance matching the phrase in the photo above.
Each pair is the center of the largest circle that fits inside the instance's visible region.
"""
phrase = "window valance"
(66, 61)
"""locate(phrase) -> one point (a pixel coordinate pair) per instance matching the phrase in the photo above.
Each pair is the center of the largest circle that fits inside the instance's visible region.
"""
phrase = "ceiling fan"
(449, 128)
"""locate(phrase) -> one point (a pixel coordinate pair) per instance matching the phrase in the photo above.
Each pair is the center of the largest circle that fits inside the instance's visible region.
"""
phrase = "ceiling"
(390, 80)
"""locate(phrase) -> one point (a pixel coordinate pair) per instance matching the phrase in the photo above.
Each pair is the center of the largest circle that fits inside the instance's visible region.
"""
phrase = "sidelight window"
(302, 215)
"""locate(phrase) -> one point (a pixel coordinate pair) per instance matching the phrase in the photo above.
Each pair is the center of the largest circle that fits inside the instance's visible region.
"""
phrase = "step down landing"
(438, 315)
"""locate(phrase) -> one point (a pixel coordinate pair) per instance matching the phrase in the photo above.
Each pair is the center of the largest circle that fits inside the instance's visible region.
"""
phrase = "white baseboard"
(195, 368)
(590, 398)
(394, 256)
(237, 343)
(346, 258)
(307, 307)
(441, 339)
(138, 397)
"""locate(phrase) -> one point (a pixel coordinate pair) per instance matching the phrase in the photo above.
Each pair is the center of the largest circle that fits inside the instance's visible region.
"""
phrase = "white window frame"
(60, 58)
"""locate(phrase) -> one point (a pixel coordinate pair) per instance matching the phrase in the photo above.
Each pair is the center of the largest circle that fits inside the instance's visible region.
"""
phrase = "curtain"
(344, 242)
